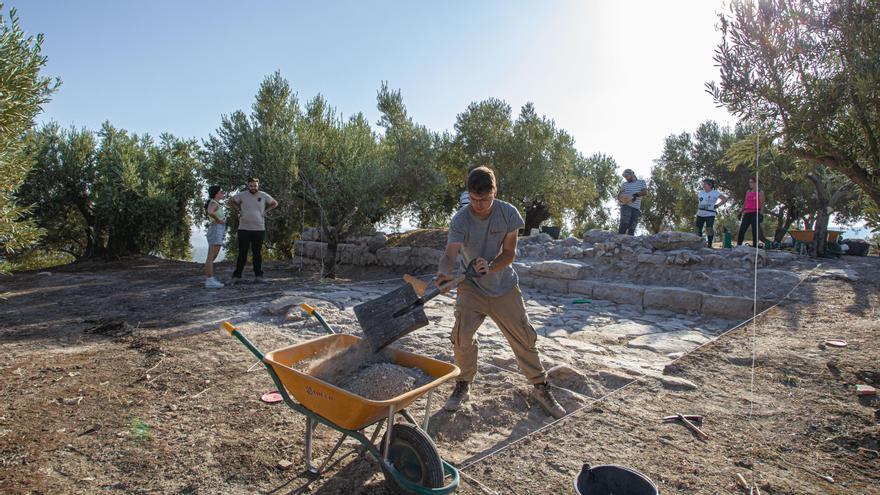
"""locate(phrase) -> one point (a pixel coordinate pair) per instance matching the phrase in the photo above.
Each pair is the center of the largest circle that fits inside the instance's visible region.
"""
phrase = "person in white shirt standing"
(709, 200)
(253, 205)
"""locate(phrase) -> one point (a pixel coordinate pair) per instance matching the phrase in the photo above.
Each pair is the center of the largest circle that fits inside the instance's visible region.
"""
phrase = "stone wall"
(365, 250)
(670, 270)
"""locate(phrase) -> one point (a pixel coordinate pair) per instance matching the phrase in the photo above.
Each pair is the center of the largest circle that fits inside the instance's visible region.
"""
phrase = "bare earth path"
(114, 378)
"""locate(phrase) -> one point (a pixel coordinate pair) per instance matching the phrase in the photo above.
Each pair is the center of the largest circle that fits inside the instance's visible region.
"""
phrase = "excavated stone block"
(554, 284)
(619, 293)
(394, 256)
(558, 269)
(654, 259)
(584, 287)
(425, 256)
(679, 300)
(666, 241)
(731, 307)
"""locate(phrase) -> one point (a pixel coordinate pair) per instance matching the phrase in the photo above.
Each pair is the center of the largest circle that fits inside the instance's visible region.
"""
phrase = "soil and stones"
(173, 407)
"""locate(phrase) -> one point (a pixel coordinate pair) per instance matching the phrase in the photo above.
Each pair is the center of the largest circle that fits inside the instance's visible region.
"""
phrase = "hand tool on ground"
(689, 417)
(684, 419)
(399, 312)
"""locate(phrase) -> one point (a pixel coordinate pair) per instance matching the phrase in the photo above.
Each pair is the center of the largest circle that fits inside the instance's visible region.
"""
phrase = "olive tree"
(23, 91)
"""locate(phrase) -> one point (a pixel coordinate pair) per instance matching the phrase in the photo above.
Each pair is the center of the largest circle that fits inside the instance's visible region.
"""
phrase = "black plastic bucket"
(613, 480)
(552, 231)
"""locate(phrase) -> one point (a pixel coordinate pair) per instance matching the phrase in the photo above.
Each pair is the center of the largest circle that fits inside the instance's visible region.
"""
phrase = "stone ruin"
(671, 271)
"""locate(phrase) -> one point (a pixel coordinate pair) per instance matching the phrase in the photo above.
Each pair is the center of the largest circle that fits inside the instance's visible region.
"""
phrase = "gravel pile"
(360, 371)
(383, 381)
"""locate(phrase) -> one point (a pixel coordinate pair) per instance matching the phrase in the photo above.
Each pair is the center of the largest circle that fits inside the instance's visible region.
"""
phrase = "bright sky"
(617, 75)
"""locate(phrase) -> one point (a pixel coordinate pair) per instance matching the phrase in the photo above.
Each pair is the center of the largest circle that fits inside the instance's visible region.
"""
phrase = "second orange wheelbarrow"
(406, 454)
(806, 236)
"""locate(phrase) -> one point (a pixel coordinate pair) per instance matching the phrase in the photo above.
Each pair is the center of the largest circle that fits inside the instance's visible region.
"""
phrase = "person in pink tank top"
(752, 216)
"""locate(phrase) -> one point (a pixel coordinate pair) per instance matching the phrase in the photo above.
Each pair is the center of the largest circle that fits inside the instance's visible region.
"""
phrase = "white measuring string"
(756, 234)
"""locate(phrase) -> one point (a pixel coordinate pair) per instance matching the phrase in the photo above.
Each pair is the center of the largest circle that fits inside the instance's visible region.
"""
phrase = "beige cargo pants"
(509, 313)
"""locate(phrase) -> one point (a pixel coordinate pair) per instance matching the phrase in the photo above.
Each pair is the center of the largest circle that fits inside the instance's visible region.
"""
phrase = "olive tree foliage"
(729, 158)
(344, 178)
(598, 176)
(798, 191)
(415, 153)
(111, 193)
(677, 175)
(807, 72)
(263, 145)
(537, 166)
(23, 91)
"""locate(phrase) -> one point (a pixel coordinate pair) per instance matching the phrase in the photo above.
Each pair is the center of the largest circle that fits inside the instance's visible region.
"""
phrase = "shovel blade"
(378, 322)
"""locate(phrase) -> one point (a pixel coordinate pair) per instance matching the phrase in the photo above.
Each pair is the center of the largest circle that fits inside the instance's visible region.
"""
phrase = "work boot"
(459, 395)
(542, 395)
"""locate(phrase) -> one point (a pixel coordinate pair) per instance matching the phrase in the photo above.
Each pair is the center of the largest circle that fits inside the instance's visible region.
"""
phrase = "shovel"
(390, 317)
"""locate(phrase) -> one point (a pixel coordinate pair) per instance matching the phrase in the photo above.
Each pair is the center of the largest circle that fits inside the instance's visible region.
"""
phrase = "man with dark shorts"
(485, 232)
(253, 205)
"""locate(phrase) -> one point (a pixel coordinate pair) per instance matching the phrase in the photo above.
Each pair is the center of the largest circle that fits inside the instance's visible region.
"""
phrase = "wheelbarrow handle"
(308, 308)
(233, 330)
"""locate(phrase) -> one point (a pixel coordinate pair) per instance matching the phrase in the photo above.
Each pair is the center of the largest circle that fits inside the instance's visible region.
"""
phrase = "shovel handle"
(434, 291)
(418, 285)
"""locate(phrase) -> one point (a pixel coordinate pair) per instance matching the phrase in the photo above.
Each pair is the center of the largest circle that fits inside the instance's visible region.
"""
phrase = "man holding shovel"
(485, 232)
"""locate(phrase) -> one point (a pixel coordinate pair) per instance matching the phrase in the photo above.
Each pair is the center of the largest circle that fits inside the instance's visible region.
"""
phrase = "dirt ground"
(115, 378)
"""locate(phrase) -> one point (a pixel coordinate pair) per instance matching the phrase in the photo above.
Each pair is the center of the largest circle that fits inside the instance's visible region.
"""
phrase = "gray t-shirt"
(253, 208)
(632, 188)
(484, 239)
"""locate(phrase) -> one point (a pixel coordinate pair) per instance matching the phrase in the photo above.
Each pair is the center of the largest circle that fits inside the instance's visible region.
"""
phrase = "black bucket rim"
(587, 467)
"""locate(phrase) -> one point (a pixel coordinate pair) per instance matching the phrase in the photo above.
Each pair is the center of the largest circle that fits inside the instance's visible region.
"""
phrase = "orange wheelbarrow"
(406, 454)
(804, 238)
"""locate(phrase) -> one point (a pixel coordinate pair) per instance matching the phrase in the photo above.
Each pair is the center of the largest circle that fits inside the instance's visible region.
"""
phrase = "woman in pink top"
(752, 214)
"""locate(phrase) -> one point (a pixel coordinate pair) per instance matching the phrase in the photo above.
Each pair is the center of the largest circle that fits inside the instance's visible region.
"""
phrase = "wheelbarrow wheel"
(414, 456)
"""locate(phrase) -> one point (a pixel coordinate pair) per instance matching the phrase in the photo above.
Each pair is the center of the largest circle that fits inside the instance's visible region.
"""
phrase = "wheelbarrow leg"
(391, 412)
(332, 452)
(310, 429)
(427, 411)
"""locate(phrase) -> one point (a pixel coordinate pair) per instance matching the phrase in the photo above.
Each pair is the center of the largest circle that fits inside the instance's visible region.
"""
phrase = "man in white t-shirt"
(708, 198)
(253, 205)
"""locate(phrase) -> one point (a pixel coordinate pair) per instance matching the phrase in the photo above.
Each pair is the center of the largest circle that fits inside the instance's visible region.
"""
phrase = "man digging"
(485, 231)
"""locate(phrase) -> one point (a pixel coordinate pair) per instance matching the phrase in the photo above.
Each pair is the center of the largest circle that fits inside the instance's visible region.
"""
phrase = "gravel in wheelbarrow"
(370, 375)
(344, 407)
